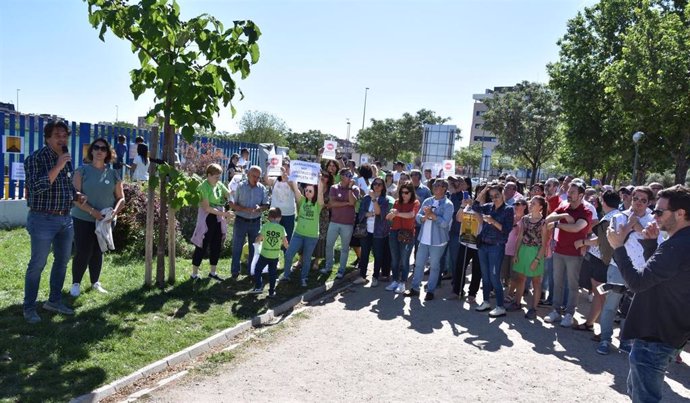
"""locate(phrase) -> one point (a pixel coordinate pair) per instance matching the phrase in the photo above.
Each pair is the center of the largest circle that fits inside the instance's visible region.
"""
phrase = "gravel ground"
(367, 344)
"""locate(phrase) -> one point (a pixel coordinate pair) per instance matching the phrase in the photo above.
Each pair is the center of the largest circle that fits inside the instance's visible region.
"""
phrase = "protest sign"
(448, 168)
(275, 162)
(329, 149)
(469, 228)
(18, 171)
(305, 172)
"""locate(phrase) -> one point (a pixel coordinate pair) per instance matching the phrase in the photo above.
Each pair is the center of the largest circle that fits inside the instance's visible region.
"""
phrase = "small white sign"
(363, 159)
(275, 162)
(329, 149)
(305, 172)
(132, 150)
(17, 173)
(448, 168)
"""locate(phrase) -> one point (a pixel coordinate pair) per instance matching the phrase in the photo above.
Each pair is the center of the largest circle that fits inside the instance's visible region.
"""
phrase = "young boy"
(272, 237)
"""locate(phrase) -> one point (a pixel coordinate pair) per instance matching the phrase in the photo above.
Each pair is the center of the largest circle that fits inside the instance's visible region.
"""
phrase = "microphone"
(69, 163)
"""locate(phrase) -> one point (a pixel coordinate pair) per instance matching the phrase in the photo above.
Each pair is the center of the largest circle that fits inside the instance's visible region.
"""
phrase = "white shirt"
(371, 220)
(632, 246)
(426, 228)
(141, 171)
(283, 197)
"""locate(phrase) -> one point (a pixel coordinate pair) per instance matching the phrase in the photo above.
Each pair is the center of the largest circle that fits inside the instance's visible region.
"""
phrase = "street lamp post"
(117, 113)
(17, 106)
(636, 139)
(366, 90)
(348, 137)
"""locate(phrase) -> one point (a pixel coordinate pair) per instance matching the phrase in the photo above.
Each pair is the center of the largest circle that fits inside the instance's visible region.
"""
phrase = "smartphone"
(606, 287)
(618, 221)
(465, 195)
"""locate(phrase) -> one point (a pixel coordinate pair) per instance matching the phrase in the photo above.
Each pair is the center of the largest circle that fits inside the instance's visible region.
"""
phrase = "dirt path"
(367, 344)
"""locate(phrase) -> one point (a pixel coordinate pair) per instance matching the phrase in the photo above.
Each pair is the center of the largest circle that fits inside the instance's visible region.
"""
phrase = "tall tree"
(308, 142)
(469, 158)
(189, 65)
(387, 139)
(262, 127)
(525, 120)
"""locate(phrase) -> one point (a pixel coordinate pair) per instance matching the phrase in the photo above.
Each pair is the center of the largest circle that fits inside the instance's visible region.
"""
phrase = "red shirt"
(565, 241)
(553, 203)
(405, 223)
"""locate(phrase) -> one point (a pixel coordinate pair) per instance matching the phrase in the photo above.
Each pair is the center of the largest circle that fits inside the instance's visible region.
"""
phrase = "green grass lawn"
(112, 334)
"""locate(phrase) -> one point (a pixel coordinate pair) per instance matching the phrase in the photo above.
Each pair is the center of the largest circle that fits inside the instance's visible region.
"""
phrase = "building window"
(477, 125)
(478, 113)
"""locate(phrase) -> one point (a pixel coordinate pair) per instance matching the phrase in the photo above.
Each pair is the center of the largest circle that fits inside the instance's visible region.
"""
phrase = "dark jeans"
(272, 273)
(87, 252)
(400, 257)
(648, 363)
(242, 230)
(386, 264)
(369, 244)
(464, 255)
(490, 258)
(288, 222)
(213, 240)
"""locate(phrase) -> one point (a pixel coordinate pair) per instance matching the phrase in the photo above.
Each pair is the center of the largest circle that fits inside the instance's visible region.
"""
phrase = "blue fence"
(21, 135)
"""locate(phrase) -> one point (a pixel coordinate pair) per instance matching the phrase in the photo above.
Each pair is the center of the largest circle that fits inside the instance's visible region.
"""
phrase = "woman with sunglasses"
(497, 220)
(103, 188)
(373, 209)
(402, 235)
(306, 236)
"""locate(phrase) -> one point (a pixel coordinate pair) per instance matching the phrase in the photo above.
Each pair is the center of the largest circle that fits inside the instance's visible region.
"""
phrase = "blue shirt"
(456, 199)
(247, 196)
(439, 226)
(121, 152)
(41, 194)
(504, 215)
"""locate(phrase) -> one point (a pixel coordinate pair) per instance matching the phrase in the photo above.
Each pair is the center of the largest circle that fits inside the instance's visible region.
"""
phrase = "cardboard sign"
(329, 149)
(448, 168)
(469, 228)
(275, 162)
(17, 173)
(305, 172)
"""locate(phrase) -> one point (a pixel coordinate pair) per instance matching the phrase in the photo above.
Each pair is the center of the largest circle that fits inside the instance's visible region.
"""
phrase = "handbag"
(405, 236)
(360, 230)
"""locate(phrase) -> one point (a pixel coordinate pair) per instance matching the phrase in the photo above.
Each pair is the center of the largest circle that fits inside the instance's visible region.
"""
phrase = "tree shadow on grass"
(47, 359)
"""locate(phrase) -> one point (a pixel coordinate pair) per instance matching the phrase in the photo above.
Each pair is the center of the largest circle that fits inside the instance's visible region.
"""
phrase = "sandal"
(584, 327)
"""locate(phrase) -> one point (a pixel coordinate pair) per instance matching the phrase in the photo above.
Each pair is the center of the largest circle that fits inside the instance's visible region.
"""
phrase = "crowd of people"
(539, 245)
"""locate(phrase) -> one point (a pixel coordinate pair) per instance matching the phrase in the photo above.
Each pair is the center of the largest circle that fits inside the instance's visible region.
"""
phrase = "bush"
(129, 235)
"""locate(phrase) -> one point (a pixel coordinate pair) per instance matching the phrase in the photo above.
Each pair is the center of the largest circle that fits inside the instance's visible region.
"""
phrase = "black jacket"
(660, 309)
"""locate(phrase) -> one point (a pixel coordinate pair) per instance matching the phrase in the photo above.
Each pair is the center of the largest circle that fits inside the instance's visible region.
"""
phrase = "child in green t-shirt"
(272, 237)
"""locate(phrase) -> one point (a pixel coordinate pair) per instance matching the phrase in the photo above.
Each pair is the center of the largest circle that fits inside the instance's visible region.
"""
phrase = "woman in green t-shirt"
(306, 233)
(211, 224)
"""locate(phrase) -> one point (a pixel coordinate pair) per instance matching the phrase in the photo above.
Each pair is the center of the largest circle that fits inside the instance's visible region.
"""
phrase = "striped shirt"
(41, 194)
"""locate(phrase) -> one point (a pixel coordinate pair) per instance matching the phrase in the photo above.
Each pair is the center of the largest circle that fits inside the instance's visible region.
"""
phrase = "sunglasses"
(405, 192)
(641, 200)
(96, 147)
(659, 212)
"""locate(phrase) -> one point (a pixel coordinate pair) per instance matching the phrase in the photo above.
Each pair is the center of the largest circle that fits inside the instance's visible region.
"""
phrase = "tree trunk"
(681, 170)
(169, 157)
(148, 238)
(162, 224)
(533, 175)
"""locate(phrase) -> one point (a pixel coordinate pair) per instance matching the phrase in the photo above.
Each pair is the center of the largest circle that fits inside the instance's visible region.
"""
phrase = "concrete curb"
(209, 343)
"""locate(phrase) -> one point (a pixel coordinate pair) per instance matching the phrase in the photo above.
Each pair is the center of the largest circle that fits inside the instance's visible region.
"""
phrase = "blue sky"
(317, 57)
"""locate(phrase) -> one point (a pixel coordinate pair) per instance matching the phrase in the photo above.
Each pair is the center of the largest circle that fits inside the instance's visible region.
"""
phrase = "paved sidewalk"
(367, 344)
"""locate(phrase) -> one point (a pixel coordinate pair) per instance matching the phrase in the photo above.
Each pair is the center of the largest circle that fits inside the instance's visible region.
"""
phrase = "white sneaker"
(497, 312)
(567, 320)
(392, 286)
(359, 280)
(374, 282)
(74, 291)
(484, 306)
(400, 289)
(98, 287)
(552, 317)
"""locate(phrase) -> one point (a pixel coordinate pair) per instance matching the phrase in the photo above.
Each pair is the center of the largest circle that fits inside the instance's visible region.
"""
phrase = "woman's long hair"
(143, 152)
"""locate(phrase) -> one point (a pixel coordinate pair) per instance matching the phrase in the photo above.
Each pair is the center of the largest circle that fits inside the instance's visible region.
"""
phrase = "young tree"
(261, 127)
(189, 65)
(470, 158)
(525, 120)
(308, 142)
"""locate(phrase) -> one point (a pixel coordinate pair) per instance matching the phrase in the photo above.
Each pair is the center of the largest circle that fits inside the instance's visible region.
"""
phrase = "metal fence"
(22, 135)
